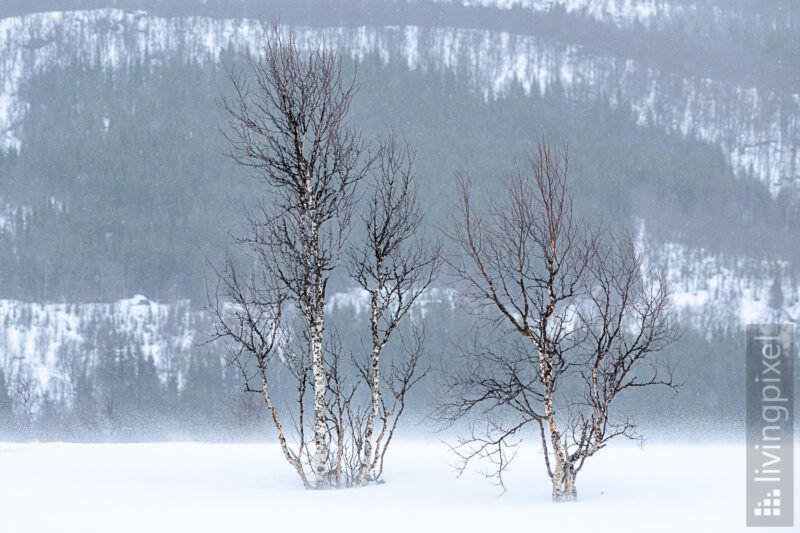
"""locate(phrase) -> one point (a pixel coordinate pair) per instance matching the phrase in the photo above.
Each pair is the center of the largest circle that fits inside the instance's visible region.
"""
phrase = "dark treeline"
(122, 187)
(113, 392)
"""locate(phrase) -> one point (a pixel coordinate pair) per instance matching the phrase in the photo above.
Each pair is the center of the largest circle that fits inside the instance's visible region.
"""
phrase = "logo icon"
(770, 505)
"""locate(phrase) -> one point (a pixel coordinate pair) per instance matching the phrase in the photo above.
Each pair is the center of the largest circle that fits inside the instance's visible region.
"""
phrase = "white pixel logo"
(770, 505)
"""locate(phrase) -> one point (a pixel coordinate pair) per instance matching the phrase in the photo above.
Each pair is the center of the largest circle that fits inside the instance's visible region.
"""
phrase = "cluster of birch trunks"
(559, 304)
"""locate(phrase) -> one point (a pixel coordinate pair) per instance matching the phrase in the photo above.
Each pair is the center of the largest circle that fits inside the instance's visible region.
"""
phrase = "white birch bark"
(367, 461)
(315, 317)
(320, 406)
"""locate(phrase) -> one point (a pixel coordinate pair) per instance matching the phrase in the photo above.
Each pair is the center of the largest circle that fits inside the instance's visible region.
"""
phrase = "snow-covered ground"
(248, 487)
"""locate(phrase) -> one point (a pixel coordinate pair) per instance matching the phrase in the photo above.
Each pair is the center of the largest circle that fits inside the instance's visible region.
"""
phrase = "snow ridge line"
(758, 131)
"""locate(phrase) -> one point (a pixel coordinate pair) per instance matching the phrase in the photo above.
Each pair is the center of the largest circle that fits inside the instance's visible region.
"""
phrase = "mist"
(533, 236)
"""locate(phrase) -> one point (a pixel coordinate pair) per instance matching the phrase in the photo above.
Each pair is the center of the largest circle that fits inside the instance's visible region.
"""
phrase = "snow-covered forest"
(162, 272)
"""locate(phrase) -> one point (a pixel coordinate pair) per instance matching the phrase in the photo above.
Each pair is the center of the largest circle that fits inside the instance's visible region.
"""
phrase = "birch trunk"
(315, 314)
(317, 324)
(367, 462)
(293, 460)
(563, 474)
(320, 407)
(564, 489)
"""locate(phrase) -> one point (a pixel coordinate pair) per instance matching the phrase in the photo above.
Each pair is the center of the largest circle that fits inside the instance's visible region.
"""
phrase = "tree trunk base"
(562, 497)
(564, 489)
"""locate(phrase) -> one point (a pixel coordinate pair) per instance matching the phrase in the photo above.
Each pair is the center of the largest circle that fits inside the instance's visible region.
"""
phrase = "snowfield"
(248, 487)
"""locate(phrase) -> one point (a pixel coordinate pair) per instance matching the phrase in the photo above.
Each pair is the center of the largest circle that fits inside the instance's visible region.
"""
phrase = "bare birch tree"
(289, 122)
(394, 265)
(578, 319)
(28, 392)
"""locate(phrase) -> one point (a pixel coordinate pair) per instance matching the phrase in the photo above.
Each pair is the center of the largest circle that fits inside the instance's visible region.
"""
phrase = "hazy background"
(681, 117)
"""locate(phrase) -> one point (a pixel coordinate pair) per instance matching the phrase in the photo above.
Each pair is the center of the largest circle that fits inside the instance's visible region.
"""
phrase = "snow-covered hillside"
(620, 12)
(643, 13)
(711, 292)
(714, 292)
(758, 130)
(47, 341)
